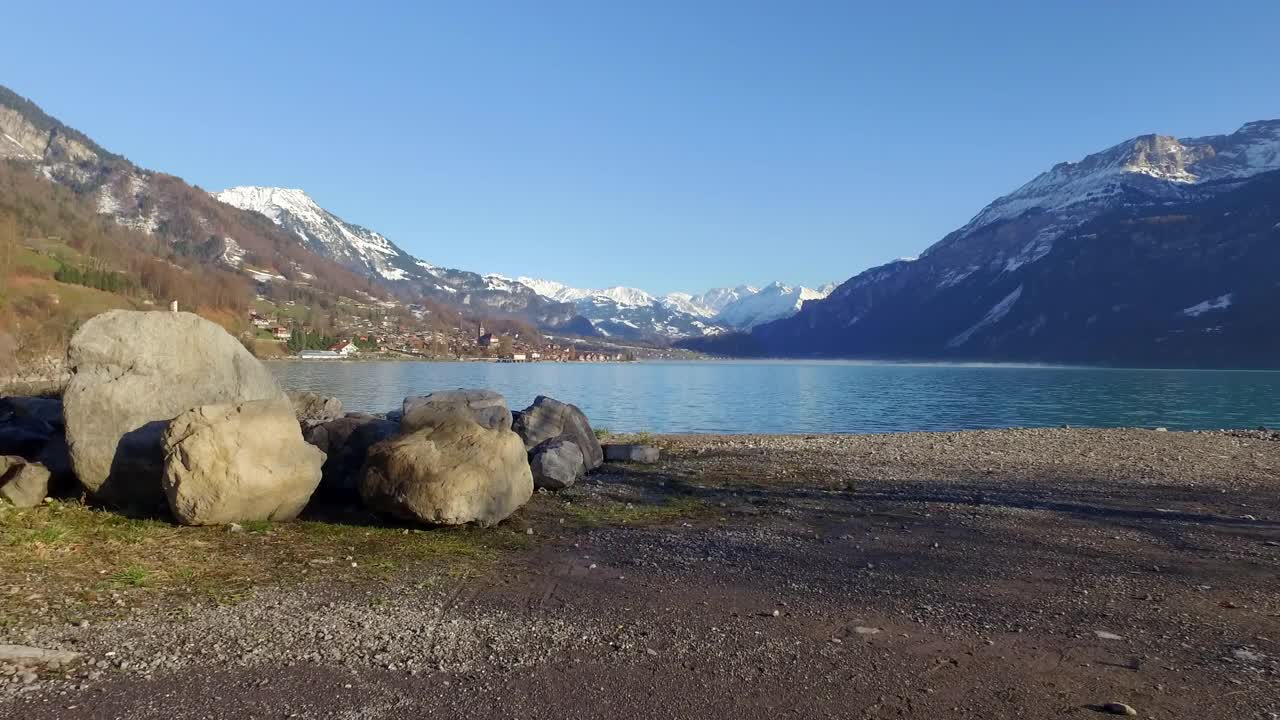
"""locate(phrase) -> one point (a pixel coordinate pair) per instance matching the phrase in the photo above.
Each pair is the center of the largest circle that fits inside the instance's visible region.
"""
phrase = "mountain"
(627, 313)
(370, 253)
(182, 224)
(630, 313)
(772, 302)
(717, 299)
(1156, 251)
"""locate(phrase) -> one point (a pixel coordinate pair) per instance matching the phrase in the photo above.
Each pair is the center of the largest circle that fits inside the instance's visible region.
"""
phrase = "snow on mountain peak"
(295, 211)
(1161, 166)
(772, 302)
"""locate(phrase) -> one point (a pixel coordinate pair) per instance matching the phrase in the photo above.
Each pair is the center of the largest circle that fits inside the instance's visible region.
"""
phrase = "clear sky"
(669, 145)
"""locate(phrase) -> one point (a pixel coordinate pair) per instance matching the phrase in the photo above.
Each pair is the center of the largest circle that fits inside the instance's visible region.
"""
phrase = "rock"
(32, 428)
(346, 442)
(1105, 635)
(548, 418)
(1118, 708)
(133, 372)
(23, 483)
(643, 454)
(483, 407)
(26, 655)
(313, 408)
(452, 473)
(238, 462)
(556, 464)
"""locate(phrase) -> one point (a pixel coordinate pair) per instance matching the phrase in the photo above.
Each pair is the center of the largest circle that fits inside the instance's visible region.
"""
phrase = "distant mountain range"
(630, 312)
(617, 312)
(1157, 251)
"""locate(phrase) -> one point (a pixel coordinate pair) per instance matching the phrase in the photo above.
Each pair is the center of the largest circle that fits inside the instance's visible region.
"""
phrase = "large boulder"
(238, 462)
(556, 464)
(25, 484)
(346, 442)
(452, 473)
(133, 372)
(312, 408)
(548, 418)
(483, 407)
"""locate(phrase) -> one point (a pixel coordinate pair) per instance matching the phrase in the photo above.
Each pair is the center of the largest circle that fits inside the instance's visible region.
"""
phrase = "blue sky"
(665, 145)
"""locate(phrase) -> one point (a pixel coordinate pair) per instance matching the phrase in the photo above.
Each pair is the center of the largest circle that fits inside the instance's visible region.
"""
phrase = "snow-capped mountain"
(324, 232)
(636, 314)
(1158, 250)
(717, 299)
(369, 252)
(627, 313)
(772, 302)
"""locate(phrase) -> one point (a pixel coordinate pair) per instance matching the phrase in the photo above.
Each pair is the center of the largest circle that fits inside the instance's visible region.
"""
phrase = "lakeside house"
(281, 333)
(346, 348)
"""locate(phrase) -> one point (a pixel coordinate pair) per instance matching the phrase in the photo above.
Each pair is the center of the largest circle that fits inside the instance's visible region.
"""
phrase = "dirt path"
(1016, 574)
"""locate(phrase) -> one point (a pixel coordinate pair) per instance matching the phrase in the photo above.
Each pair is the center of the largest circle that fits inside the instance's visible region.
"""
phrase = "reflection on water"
(797, 397)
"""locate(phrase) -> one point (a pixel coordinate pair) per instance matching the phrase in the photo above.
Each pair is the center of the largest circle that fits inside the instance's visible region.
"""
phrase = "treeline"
(96, 278)
(309, 340)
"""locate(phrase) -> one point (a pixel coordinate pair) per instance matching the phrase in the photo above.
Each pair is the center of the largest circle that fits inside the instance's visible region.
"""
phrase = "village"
(387, 339)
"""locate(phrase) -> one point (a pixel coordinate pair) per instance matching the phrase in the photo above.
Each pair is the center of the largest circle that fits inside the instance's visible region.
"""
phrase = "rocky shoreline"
(455, 559)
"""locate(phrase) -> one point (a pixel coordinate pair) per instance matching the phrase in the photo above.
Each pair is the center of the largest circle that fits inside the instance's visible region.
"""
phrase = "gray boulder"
(346, 442)
(483, 407)
(556, 464)
(642, 454)
(238, 462)
(23, 483)
(312, 408)
(133, 372)
(452, 473)
(548, 418)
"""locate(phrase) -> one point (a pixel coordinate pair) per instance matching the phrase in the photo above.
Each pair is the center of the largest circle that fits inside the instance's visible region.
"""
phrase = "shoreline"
(998, 573)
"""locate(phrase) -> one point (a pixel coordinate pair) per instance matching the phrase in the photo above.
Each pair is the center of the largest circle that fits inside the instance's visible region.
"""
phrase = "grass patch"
(256, 526)
(65, 561)
(614, 512)
(132, 576)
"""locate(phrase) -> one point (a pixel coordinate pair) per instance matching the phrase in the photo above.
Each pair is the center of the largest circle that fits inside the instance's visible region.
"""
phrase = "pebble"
(1118, 708)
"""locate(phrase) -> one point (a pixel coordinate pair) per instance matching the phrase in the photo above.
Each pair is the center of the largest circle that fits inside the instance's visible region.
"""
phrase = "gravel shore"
(1028, 573)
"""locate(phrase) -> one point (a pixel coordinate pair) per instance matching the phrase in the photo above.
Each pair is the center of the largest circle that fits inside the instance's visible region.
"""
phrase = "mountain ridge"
(1051, 272)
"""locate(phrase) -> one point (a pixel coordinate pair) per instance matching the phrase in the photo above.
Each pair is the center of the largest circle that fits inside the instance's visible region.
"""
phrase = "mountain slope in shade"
(1155, 251)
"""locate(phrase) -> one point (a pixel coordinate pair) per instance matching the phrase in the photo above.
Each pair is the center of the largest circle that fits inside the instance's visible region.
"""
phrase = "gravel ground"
(1029, 573)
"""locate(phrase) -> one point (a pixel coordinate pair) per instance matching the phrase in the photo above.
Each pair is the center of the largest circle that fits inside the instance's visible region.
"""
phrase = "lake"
(822, 397)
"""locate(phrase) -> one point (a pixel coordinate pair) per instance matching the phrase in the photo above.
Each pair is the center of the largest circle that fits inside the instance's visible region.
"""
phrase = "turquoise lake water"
(821, 397)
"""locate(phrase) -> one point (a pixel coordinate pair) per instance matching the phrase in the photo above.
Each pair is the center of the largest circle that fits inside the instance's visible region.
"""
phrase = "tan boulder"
(25, 484)
(133, 372)
(238, 462)
(451, 473)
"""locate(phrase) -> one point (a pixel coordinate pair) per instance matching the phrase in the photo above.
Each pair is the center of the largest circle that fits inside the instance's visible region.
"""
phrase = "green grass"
(67, 561)
(613, 512)
(132, 576)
